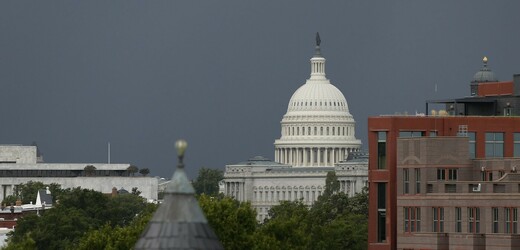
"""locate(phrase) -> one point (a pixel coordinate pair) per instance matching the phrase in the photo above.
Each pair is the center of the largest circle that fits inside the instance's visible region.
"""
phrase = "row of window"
(275, 196)
(320, 104)
(494, 144)
(406, 180)
(61, 173)
(291, 131)
(508, 220)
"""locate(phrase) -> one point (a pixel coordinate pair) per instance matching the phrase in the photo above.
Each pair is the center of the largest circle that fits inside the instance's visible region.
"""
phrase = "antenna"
(108, 152)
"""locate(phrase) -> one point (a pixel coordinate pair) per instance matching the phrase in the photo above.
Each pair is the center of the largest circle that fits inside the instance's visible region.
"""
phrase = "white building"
(21, 164)
(317, 135)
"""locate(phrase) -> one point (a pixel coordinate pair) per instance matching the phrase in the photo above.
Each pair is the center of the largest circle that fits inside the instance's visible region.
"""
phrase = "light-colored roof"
(62, 166)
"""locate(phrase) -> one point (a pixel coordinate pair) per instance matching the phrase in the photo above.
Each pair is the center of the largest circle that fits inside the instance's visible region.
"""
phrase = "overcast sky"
(75, 75)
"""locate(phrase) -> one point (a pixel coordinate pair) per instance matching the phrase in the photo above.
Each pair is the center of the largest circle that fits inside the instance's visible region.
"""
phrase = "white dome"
(317, 96)
(317, 129)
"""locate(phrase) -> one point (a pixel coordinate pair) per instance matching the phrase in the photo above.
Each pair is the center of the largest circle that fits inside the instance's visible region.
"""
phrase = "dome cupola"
(485, 74)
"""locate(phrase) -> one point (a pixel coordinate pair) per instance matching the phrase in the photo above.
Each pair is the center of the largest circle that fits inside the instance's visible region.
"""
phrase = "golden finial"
(485, 59)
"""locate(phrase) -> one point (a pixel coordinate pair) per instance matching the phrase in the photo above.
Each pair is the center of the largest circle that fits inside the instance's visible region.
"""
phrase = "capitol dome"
(317, 129)
(317, 96)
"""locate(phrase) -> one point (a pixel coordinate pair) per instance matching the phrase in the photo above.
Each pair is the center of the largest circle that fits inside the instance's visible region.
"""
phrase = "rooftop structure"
(21, 164)
(447, 182)
(179, 222)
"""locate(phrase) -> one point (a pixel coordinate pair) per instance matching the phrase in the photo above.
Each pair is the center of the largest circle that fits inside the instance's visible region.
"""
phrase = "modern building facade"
(448, 180)
(21, 164)
(317, 136)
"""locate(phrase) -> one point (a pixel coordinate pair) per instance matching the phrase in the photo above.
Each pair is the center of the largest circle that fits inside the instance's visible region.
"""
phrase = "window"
(472, 145)
(381, 212)
(441, 174)
(381, 150)
(452, 176)
(495, 219)
(438, 219)
(406, 181)
(486, 175)
(511, 218)
(458, 219)
(410, 134)
(516, 145)
(473, 220)
(494, 144)
(417, 181)
(412, 219)
(508, 111)
(433, 133)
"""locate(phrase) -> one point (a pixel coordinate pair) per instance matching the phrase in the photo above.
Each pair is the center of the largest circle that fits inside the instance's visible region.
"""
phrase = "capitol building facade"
(317, 136)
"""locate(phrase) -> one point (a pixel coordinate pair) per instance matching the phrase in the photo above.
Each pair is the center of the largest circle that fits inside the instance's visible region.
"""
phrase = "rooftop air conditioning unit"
(476, 188)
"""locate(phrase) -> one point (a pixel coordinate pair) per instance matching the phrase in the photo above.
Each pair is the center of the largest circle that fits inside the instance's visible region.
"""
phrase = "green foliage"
(83, 212)
(234, 222)
(207, 181)
(335, 221)
(144, 171)
(117, 237)
(89, 170)
(287, 227)
(132, 170)
(29, 191)
(331, 184)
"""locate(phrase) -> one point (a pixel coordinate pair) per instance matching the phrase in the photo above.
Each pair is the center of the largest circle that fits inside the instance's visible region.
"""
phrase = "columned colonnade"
(236, 190)
(311, 156)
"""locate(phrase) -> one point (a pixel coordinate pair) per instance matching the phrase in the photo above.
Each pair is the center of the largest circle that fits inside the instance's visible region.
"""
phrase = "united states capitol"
(317, 136)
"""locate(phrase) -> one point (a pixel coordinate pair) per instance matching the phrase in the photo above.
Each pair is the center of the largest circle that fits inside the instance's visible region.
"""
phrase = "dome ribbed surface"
(484, 75)
(322, 96)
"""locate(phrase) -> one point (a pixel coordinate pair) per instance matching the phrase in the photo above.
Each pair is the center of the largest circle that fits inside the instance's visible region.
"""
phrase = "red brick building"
(449, 180)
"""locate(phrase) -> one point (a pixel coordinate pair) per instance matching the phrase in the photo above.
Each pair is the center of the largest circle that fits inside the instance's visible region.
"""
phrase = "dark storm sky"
(140, 74)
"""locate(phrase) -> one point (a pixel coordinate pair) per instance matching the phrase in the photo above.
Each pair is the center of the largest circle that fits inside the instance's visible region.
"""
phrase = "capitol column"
(334, 156)
(297, 156)
(311, 151)
(326, 156)
(319, 156)
(304, 163)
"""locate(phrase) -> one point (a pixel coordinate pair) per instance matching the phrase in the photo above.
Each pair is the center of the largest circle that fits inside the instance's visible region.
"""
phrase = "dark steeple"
(179, 222)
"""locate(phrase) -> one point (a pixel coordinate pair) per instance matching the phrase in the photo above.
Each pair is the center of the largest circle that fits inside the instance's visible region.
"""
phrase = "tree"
(132, 170)
(144, 171)
(233, 222)
(78, 212)
(287, 227)
(207, 181)
(331, 184)
(89, 170)
(29, 191)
